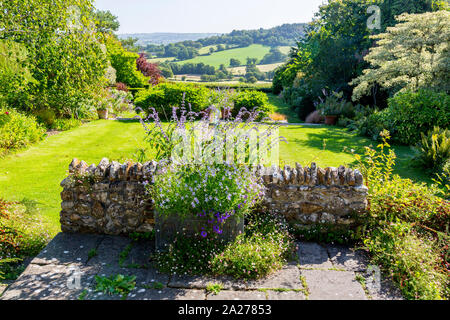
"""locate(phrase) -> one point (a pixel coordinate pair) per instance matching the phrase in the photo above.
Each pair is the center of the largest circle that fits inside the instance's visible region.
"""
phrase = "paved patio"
(322, 272)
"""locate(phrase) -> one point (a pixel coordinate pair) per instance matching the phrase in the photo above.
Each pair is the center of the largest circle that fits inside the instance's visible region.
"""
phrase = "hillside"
(165, 38)
(223, 57)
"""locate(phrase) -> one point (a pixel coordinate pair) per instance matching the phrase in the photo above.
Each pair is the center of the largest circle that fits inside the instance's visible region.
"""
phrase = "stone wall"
(110, 198)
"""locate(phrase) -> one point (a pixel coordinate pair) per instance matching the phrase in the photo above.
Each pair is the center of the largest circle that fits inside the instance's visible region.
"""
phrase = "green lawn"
(223, 57)
(33, 176)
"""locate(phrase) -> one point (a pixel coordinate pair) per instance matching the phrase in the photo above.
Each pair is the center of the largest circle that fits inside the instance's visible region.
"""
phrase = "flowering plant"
(213, 193)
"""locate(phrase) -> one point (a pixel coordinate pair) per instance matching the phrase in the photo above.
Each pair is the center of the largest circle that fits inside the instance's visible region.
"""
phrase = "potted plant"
(204, 201)
(332, 107)
(102, 113)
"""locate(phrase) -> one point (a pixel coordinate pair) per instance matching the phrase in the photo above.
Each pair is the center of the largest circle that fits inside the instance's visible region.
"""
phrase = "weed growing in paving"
(214, 288)
(116, 285)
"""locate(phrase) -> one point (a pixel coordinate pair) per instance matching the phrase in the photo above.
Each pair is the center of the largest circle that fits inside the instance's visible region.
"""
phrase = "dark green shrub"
(250, 99)
(167, 95)
(411, 113)
(434, 149)
(18, 130)
(65, 124)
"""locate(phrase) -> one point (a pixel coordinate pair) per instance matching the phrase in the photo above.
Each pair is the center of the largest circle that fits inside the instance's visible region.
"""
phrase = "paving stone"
(140, 253)
(50, 282)
(201, 282)
(384, 290)
(313, 255)
(286, 278)
(237, 295)
(143, 276)
(166, 294)
(109, 250)
(333, 285)
(346, 258)
(68, 248)
(286, 295)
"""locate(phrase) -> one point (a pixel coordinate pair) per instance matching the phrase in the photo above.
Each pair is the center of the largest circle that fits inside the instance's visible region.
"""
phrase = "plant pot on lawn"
(102, 114)
(168, 228)
(331, 120)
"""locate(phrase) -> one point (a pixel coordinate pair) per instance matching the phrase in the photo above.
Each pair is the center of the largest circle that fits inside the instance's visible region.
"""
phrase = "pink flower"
(7, 113)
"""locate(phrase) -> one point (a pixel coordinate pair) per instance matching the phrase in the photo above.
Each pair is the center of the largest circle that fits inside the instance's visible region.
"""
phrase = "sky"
(202, 16)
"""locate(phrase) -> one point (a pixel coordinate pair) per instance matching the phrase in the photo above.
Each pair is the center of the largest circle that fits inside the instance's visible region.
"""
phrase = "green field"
(223, 57)
(285, 49)
(156, 60)
(33, 176)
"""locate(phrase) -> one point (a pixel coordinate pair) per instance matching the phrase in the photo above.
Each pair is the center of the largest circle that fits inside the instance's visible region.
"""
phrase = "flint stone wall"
(111, 198)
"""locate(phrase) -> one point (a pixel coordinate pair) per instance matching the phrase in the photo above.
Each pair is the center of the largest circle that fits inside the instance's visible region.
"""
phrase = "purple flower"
(204, 234)
(217, 230)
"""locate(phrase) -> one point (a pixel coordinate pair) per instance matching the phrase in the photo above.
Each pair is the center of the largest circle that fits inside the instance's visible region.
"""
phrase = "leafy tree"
(125, 64)
(251, 61)
(234, 62)
(130, 44)
(274, 56)
(413, 54)
(14, 73)
(148, 69)
(68, 61)
(106, 22)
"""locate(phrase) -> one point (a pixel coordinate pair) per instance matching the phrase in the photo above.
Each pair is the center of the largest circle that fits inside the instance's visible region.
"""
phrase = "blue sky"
(140, 16)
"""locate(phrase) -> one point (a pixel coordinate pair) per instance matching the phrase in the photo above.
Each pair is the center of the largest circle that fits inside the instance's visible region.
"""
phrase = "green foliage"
(411, 113)
(105, 21)
(405, 59)
(192, 190)
(266, 246)
(18, 130)
(340, 27)
(124, 62)
(65, 56)
(214, 288)
(22, 235)
(335, 105)
(65, 124)
(92, 253)
(434, 149)
(116, 284)
(14, 74)
(251, 100)
(406, 228)
(164, 96)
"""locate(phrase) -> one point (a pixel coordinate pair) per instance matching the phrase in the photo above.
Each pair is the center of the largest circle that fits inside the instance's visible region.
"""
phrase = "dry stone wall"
(111, 198)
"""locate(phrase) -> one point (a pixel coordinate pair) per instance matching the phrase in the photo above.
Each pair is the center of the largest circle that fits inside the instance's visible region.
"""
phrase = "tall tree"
(413, 54)
(68, 61)
(106, 22)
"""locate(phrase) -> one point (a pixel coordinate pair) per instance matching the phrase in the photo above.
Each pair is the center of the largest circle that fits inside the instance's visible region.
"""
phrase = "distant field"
(262, 68)
(205, 50)
(223, 57)
(155, 60)
(285, 49)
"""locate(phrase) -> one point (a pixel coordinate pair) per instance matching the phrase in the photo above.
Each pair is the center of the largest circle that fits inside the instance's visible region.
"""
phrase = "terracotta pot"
(102, 114)
(331, 120)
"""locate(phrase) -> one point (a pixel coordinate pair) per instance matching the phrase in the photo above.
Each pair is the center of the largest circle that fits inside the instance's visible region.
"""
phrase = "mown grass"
(33, 176)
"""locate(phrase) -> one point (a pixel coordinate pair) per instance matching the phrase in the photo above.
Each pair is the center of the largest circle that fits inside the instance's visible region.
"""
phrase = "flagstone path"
(65, 270)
